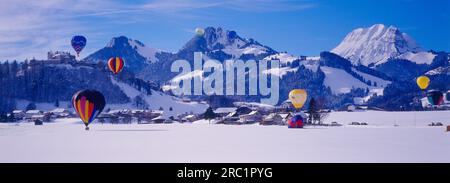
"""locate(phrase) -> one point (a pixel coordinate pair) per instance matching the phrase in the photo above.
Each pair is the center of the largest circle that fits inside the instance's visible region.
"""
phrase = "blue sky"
(304, 27)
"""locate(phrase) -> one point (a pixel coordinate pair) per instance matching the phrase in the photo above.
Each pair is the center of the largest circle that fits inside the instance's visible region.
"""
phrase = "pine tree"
(31, 106)
(11, 118)
(57, 103)
(3, 117)
(311, 110)
(209, 114)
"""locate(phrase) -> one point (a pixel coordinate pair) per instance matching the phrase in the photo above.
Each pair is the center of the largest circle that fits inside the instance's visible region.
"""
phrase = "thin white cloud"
(30, 28)
(269, 5)
(239, 5)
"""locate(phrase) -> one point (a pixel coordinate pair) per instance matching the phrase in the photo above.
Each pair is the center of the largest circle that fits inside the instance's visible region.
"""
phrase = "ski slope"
(340, 81)
(66, 141)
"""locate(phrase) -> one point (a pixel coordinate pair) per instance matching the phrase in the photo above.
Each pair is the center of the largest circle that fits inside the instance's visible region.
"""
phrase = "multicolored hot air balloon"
(298, 97)
(115, 64)
(435, 97)
(88, 104)
(423, 82)
(78, 43)
(295, 122)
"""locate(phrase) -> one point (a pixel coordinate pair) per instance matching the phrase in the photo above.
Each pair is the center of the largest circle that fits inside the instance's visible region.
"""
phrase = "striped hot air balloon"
(88, 104)
(115, 64)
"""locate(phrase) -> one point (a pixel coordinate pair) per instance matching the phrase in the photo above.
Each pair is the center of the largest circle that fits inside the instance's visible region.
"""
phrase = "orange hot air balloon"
(115, 64)
(298, 97)
(423, 82)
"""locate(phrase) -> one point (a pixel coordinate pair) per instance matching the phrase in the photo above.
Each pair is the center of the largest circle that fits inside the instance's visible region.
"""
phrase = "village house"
(18, 114)
(36, 117)
(60, 57)
(31, 113)
(252, 117)
(223, 111)
(159, 119)
(273, 119)
(189, 118)
(60, 113)
(234, 117)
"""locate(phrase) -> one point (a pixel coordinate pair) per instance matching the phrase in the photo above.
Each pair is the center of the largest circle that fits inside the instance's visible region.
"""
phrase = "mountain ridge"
(375, 44)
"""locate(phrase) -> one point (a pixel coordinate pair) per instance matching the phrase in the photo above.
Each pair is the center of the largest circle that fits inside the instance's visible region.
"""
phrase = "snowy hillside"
(418, 58)
(439, 70)
(375, 44)
(284, 58)
(172, 106)
(143, 50)
(342, 82)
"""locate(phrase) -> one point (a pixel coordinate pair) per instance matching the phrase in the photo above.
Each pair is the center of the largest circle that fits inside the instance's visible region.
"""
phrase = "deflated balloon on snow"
(88, 104)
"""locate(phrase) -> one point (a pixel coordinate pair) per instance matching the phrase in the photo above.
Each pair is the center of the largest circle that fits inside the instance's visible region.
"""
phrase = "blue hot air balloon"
(296, 121)
(78, 43)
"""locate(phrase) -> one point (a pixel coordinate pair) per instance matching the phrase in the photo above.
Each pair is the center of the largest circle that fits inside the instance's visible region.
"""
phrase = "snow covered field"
(67, 141)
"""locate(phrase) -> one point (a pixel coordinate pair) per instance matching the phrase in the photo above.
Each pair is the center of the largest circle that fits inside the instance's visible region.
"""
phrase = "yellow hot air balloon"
(423, 82)
(298, 97)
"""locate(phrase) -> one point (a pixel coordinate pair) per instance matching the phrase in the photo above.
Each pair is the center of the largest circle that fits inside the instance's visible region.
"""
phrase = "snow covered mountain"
(148, 52)
(227, 43)
(295, 72)
(135, 54)
(367, 62)
(378, 43)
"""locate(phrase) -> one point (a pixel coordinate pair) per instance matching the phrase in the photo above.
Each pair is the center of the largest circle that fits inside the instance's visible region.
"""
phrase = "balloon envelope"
(435, 97)
(78, 43)
(88, 104)
(199, 31)
(115, 64)
(295, 121)
(423, 82)
(447, 96)
(298, 97)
